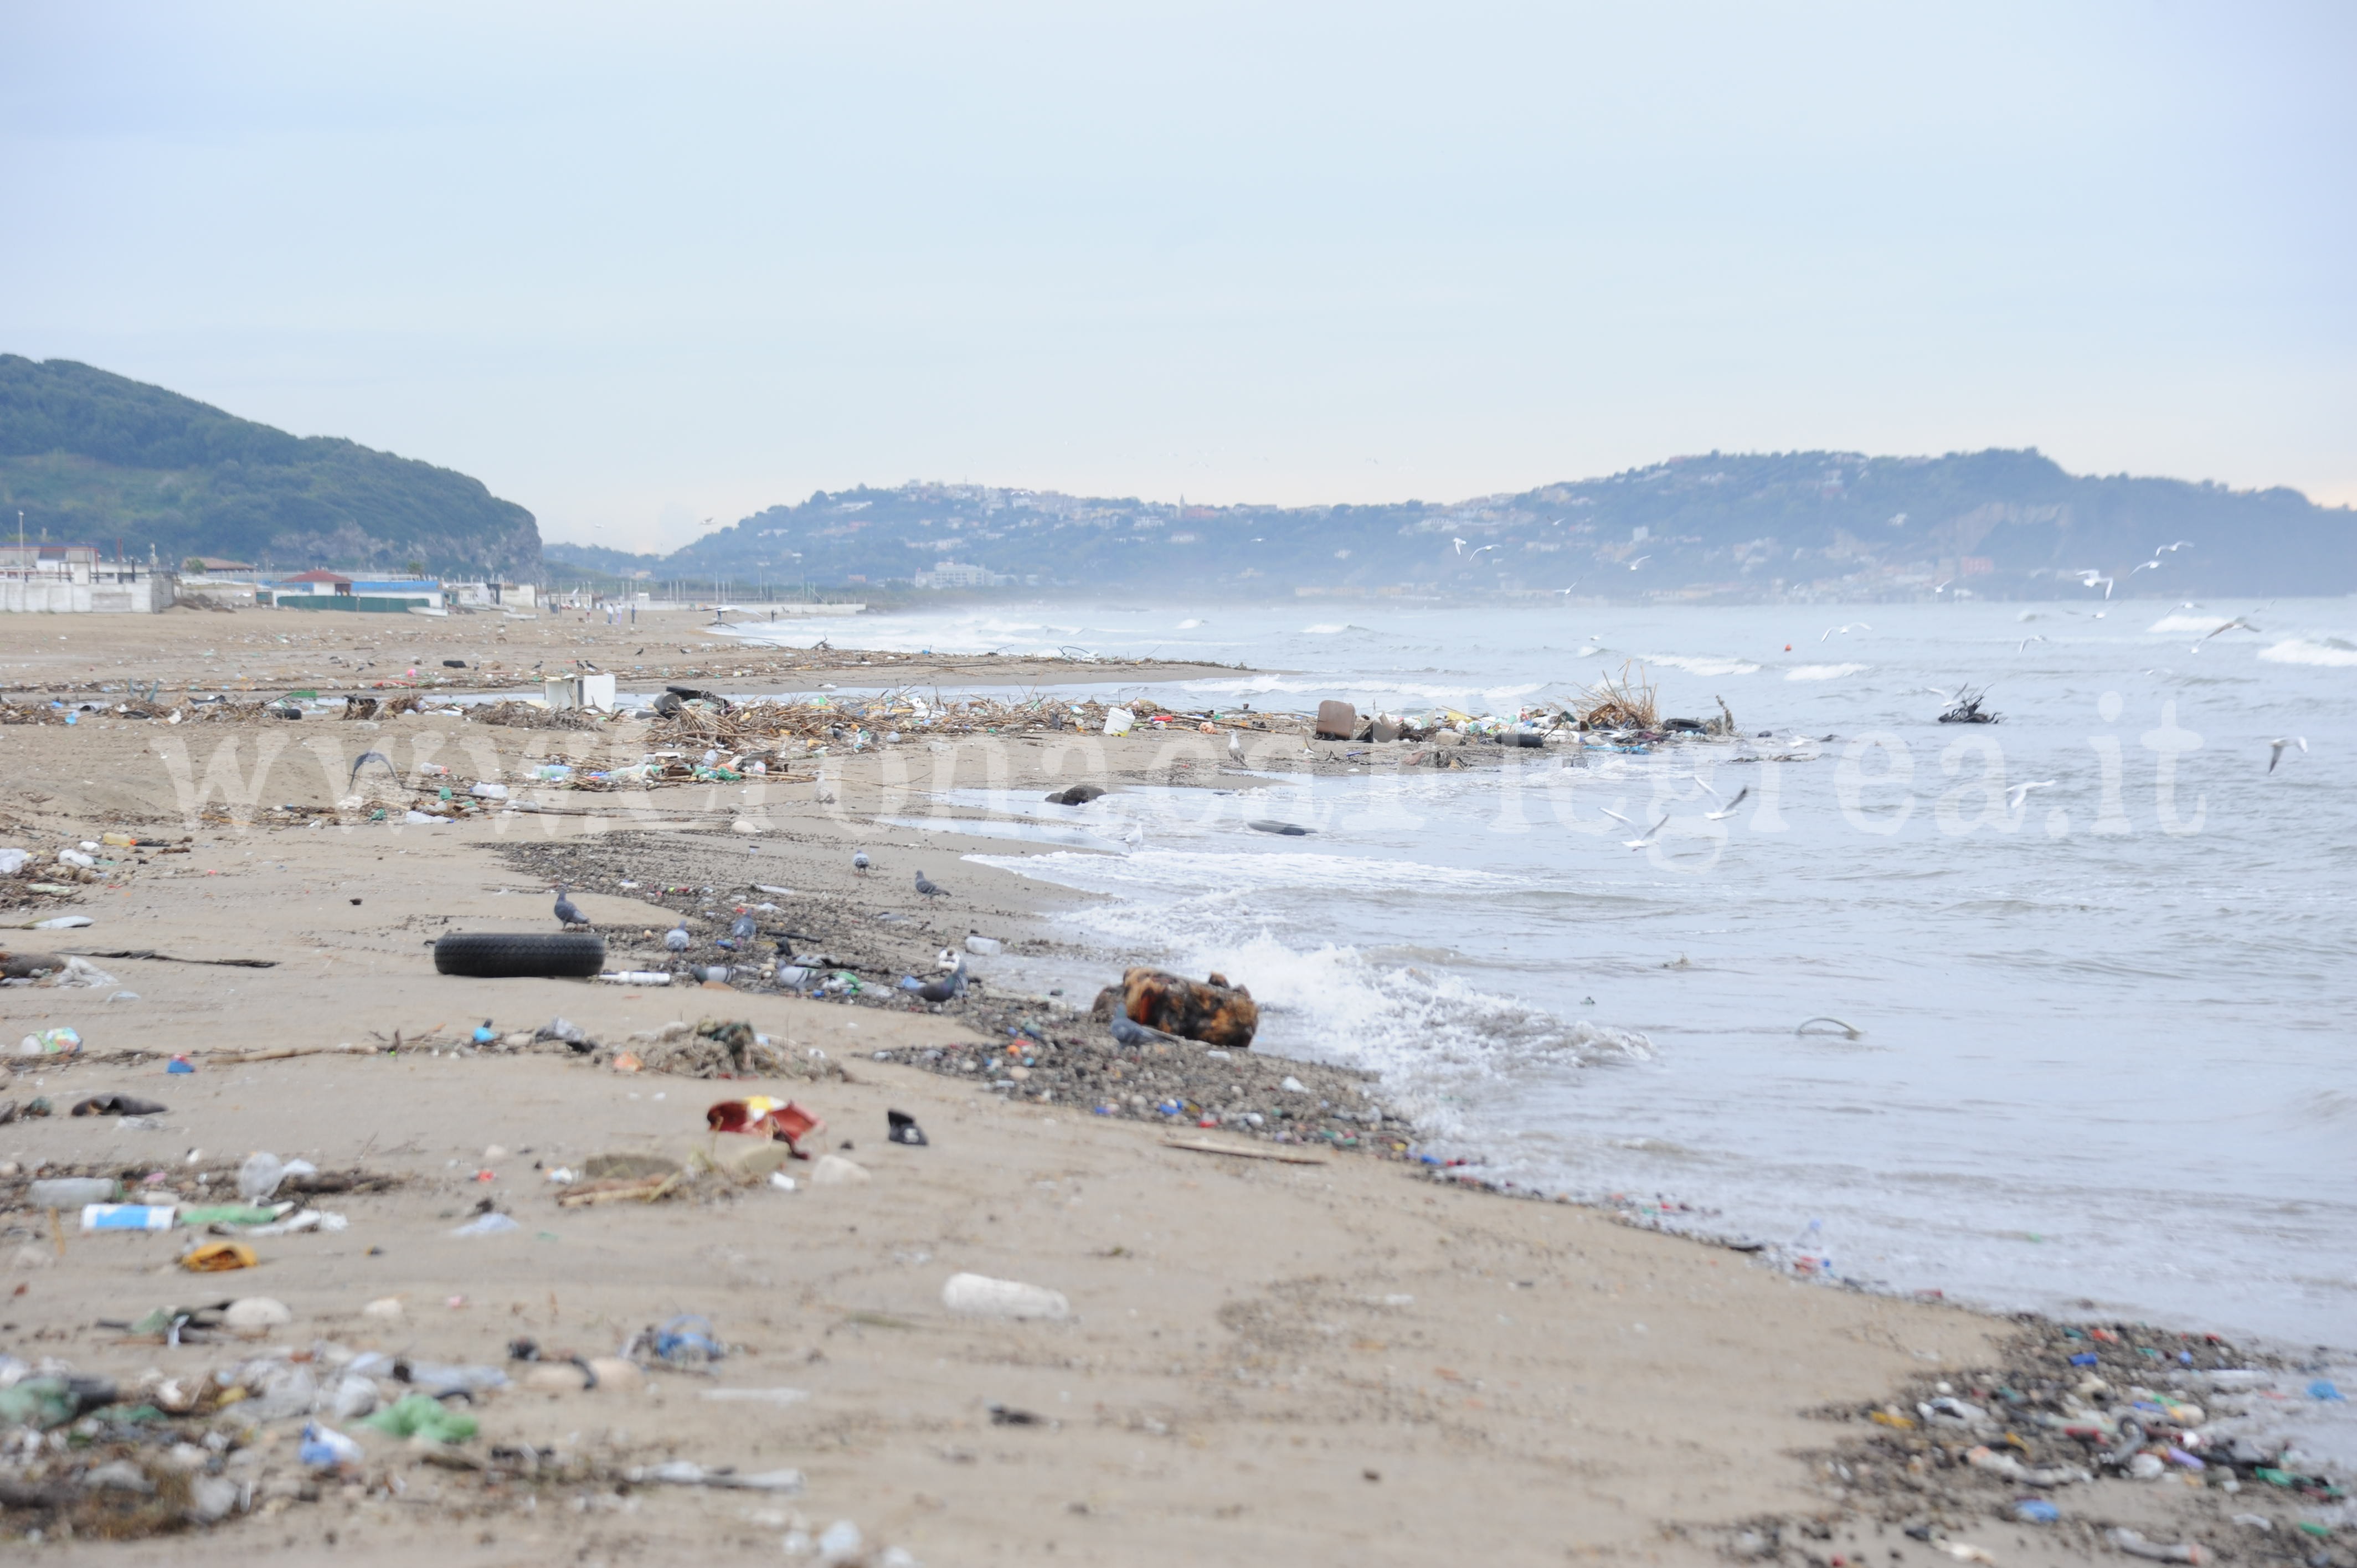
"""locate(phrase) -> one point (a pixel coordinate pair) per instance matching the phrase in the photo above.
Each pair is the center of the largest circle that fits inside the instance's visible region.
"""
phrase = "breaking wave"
(2331, 652)
(1821, 672)
(1701, 664)
(1430, 1036)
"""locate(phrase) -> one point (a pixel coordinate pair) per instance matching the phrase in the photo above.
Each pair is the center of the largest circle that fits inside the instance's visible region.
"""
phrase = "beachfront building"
(491, 596)
(325, 590)
(959, 575)
(76, 579)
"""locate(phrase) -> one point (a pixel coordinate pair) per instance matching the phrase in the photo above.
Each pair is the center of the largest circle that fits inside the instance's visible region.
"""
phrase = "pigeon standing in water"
(859, 862)
(926, 886)
(677, 939)
(568, 914)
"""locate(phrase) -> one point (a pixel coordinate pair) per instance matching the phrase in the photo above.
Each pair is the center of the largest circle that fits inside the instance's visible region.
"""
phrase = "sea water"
(2106, 1052)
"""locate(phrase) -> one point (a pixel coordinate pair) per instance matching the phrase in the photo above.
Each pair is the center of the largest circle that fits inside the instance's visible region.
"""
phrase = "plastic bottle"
(73, 1192)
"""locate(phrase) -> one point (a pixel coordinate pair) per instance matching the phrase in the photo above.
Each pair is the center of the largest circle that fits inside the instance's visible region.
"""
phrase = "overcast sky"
(638, 267)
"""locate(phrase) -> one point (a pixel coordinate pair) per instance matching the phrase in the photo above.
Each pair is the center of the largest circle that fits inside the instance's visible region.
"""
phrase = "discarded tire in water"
(500, 955)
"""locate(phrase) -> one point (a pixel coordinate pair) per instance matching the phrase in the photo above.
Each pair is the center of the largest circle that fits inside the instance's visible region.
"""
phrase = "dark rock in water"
(1270, 825)
(1078, 795)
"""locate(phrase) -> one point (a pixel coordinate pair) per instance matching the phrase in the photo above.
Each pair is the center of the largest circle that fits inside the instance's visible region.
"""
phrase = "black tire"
(500, 955)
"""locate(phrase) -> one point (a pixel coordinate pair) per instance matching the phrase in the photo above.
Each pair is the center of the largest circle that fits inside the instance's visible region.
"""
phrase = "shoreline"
(1521, 1380)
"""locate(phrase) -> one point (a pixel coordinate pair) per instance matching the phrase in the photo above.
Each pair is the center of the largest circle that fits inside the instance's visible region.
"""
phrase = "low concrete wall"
(62, 596)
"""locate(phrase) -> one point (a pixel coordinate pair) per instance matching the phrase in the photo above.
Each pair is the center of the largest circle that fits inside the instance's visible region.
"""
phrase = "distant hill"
(94, 457)
(1997, 524)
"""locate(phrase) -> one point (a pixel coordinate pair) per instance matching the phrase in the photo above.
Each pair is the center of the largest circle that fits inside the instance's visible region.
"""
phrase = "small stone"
(118, 1476)
(257, 1314)
(212, 1498)
(615, 1375)
(383, 1306)
(834, 1170)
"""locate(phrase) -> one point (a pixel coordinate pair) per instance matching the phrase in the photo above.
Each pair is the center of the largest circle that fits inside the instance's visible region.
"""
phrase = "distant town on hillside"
(1720, 526)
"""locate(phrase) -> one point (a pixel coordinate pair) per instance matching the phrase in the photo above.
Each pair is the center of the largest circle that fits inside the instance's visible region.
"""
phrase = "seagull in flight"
(2090, 577)
(2025, 642)
(1640, 561)
(1645, 839)
(1704, 782)
(1721, 815)
(2144, 565)
(2237, 624)
(2275, 749)
(2021, 792)
(2181, 545)
(1853, 625)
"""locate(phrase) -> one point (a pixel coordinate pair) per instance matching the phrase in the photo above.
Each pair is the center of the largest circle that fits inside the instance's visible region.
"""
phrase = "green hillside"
(94, 457)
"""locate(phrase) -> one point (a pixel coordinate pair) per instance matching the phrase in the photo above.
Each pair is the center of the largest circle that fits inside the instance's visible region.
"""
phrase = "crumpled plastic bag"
(80, 974)
(422, 1415)
(279, 1391)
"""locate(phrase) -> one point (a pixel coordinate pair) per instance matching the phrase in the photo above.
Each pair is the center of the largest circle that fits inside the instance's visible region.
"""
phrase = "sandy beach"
(1336, 1356)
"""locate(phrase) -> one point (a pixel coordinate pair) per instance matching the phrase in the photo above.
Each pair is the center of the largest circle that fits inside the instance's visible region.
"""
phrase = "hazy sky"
(638, 267)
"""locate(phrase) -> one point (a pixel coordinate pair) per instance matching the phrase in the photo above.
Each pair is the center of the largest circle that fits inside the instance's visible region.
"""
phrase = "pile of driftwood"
(1964, 708)
(1626, 703)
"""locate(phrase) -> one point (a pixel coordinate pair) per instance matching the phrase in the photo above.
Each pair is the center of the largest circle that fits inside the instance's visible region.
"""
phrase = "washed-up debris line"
(209, 1181)
(1060, 1060)
(2028, 1440)
(715, 1048)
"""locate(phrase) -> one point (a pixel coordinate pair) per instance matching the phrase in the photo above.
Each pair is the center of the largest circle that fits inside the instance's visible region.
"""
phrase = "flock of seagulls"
(2089, 576)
